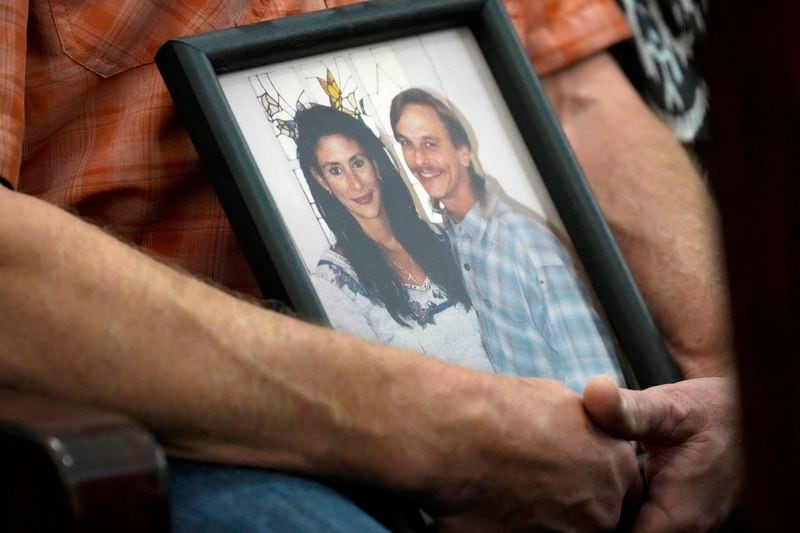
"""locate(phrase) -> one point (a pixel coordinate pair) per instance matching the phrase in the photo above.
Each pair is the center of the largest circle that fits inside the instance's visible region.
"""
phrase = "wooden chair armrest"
(69, 467)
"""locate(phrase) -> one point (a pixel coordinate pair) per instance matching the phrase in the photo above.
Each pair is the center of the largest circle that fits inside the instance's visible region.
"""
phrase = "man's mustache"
(425, 167)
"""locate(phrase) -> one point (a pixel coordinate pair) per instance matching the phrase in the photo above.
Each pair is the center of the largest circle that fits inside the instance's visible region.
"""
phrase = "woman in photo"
(390, 276)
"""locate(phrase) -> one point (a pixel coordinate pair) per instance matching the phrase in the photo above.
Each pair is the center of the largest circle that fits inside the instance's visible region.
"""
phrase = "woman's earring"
(329, 191)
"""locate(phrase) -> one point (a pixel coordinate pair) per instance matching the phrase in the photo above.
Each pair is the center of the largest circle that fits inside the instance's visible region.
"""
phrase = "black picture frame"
(190, 67)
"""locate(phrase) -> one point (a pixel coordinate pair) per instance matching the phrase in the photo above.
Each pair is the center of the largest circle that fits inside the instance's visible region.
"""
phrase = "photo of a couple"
(489, 287)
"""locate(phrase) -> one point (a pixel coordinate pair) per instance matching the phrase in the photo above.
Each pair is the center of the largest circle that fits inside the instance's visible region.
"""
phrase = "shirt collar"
(476, 222)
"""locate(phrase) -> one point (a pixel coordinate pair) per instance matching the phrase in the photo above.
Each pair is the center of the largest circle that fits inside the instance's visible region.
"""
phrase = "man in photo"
(535, 314)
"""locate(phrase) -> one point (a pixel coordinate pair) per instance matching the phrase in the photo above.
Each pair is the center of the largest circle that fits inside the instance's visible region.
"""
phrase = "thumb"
(645, 416)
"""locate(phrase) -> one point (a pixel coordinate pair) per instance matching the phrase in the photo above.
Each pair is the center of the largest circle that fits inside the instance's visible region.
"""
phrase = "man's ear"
(465, 155)
(319, 179)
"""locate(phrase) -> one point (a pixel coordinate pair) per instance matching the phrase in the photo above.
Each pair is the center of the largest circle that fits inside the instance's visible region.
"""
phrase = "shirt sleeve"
(13, 46)
(573, 327)
(557, 33)
(343, 312)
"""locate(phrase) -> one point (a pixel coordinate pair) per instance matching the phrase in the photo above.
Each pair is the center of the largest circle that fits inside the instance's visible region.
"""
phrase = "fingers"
(604, 403)
(658, 516)
(648, 416)
(653, 519)
(688, 429)
(602, 400)
(637, 493)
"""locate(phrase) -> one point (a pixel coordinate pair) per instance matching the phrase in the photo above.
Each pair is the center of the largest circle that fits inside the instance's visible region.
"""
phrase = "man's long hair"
(431, 251)
(455, 130)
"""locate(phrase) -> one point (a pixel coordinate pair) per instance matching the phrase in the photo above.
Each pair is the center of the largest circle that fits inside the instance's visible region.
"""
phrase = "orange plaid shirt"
(86, 122)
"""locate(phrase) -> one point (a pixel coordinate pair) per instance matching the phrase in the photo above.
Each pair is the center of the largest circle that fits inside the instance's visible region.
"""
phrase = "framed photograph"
(393, 169)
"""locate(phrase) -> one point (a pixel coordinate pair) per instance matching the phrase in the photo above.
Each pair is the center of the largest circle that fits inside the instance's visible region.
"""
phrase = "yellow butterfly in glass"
(331, 88)
(337, 100)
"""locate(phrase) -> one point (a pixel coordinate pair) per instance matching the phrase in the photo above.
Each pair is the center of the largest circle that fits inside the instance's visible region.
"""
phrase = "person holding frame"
(102, 140)
(390, 276)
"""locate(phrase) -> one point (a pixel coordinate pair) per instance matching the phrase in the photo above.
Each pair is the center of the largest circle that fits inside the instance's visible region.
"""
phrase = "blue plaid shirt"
(536, 318)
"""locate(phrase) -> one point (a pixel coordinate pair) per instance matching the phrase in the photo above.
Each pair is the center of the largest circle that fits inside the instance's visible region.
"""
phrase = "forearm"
(657, 206)
(89, 318)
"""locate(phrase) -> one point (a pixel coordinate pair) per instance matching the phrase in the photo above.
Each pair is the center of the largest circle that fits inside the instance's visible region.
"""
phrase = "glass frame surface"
(191, 67)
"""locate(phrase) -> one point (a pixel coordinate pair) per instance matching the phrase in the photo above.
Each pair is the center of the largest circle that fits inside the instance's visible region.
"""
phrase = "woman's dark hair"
(432, 252)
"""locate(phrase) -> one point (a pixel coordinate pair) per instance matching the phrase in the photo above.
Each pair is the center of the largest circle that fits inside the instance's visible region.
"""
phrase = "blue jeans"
(206, 497)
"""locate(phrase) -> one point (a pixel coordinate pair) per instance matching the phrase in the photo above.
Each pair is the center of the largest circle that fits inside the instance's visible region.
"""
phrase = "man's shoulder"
(526, 237)
(512, 220)
(336, 269)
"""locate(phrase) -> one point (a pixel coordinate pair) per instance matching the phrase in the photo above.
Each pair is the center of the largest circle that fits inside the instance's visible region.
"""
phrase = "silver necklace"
(408, 275)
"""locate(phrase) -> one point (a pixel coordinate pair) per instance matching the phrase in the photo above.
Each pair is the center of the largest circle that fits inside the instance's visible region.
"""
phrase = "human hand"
(690, 433)
(529, 458)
